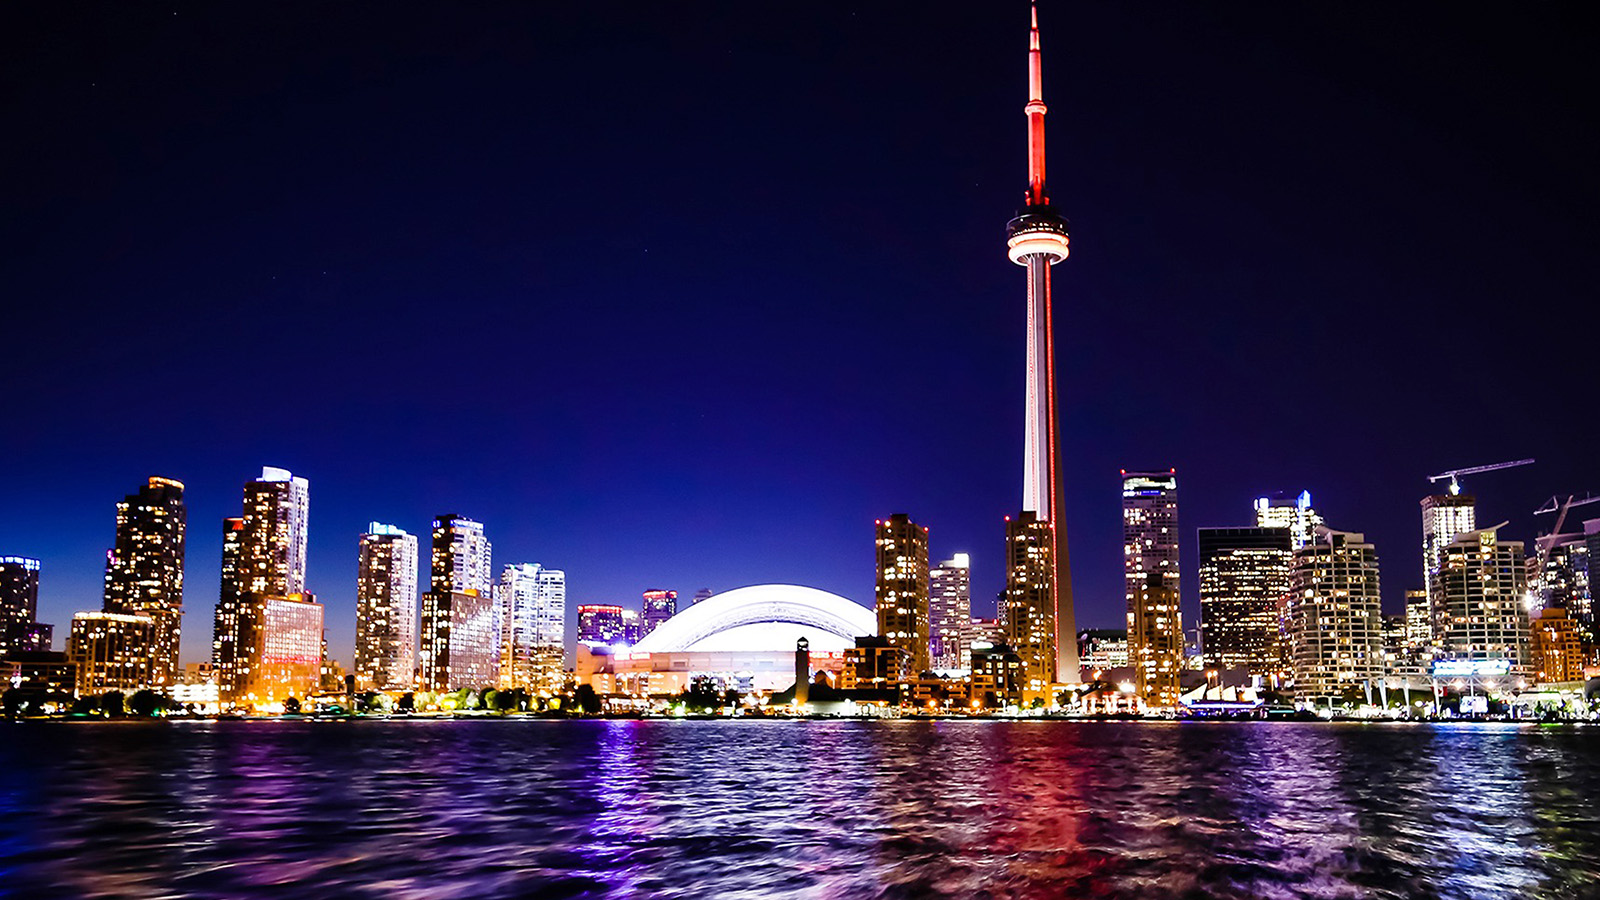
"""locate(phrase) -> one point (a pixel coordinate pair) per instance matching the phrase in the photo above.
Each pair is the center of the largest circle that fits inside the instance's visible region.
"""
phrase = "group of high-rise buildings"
(1293, 602)
(268, 644)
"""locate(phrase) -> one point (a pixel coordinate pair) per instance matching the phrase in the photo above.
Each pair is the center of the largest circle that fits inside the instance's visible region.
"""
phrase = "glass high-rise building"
(386, 609)
(19, 604)
(659, 606)
(1480, 588)
(1333, 616)
(262, 640)
(1294, 513)
(460, 638)
(144, 570)
(600, 624)
(1150, 571)
(950, 614)
(533, 604)
(1443, 517)
(1244, 576)
(902, 589)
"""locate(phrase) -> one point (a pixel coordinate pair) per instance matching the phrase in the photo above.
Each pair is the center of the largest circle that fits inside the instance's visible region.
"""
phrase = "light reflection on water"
(466, 809)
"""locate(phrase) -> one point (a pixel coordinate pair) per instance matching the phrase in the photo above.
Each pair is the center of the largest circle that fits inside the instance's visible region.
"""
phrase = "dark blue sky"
(687, 295)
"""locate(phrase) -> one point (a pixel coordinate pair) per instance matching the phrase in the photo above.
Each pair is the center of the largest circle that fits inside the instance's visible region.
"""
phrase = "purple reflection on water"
(465, 809)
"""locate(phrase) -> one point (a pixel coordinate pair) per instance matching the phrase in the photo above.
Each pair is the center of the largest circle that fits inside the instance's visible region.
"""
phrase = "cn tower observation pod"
(763, 617)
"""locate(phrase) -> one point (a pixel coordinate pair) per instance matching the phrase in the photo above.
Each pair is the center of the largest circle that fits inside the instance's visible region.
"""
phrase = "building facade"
(902, 588)
(263, 595)
(600, 624)
(533, 603)
(1244, 579)
(1027, 607)
(19, 605)
(386, 609)
(1556, 650)
(1443, 517)
(1333, 616)
(112, 652)
(281, 640)
(1478, 591)
(950, 614)
(459, 642)
(1150, 573)
(1295, 514)
(144, 570)
(658, 606)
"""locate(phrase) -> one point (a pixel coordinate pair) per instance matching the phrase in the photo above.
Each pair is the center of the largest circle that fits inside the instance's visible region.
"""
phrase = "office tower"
(1037, 238)
(1026, 607)
(533, 601)
(1479, 588)
(19, 605)
(950, 613)
(659, 606)
(599, 624)
(386, 609)
(272, 557)
(1333, 617)
(225, 650)
(460, 639)
(281, 640)
(1419, 620)
(1293, 513)
(702, 594)
(112, 652)
(989, 632)
(1244, 575)
(144, 569)
(1443, 517)
(1557, 650)
(263, 610)
(1150, 570)
(1563, 581)
(902, 588)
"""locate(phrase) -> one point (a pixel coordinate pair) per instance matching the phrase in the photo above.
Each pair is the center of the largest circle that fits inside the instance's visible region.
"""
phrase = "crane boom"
(1455, 483)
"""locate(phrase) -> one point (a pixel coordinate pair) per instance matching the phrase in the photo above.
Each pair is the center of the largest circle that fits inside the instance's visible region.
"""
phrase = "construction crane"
(1455, 484)
(1558, 506)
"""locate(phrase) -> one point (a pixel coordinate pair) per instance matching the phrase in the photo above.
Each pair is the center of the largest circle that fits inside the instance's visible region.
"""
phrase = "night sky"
(685, 295)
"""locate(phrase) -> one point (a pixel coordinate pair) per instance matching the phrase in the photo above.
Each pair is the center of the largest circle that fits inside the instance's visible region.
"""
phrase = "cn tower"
(1036, 238)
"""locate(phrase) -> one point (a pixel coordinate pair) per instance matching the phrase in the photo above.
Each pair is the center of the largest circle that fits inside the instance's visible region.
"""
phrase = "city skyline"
(728, 499)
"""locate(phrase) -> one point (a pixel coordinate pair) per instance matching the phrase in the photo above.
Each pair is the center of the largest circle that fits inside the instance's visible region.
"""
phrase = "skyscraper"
(533, 601)
(659, 606)
(950, 613)
(144, 570)
(1037, 239)
(599, 624)
(1293, 513)
(226, 655)
(1479, 589)
(1150, 570)
(1244, 576)
(460, 638)
(19, 604)
(902, 589)
(1025, 608)
(386, 609)
(1334, 621)
(1443, 517)
(267, 639)
(277, 509)
(1419, 621)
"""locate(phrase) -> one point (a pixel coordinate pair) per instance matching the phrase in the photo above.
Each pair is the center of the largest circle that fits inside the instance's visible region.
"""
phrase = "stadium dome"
(763, 617)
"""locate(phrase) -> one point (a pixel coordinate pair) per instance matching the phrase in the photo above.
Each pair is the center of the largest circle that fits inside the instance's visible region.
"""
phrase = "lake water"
(772, 809)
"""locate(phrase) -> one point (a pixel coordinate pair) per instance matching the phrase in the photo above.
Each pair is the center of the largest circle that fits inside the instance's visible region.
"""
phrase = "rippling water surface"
(466, 809)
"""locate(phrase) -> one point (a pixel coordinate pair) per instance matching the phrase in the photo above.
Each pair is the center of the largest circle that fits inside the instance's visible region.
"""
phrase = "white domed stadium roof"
(763, 617)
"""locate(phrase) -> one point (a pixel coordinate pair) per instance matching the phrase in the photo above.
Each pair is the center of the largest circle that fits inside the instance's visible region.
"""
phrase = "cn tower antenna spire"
(1035, 110)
